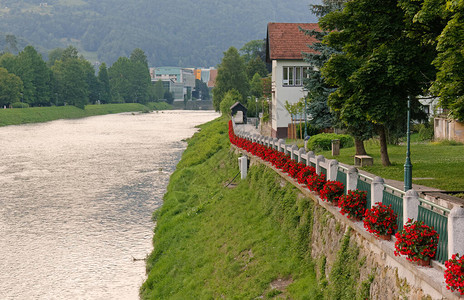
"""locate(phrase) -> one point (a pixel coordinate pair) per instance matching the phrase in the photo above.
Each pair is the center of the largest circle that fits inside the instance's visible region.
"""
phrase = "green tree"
(11, 43)
(256, 86)
(72, 78)
(230, 98)
(54, 55)
(11, 87)
(202, 87)
(140, 76)
(231, 75)
(120, 83)
(253, 49)
(449, 83)
(104, 84)
(159, 90)
(318, 110)
(379, 67)
(35, 75)
(256, 65)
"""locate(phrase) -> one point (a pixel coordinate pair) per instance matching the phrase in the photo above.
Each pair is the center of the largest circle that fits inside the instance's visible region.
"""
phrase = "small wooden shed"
(239, 107)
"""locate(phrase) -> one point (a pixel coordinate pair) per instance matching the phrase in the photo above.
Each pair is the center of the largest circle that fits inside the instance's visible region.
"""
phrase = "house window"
(293, 76)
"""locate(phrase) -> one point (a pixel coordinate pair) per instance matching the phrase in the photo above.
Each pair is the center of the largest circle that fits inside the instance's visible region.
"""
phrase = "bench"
(363, 160)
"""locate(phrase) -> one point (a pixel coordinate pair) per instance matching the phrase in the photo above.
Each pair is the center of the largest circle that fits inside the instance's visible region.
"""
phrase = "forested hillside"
(176, 32)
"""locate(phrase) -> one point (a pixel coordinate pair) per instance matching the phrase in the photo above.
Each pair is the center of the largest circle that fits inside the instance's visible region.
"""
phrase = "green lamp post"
(407, 164)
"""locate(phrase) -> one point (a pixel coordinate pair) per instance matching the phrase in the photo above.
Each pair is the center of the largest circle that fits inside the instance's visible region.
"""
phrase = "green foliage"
(425, 132)
(256, 86)
(231, 75)
(253, 49)
(449, 83)
(211, 241)
(256, 65)
(323, 141)
(108, 29)
(380, 65)
(104, 85)
(310, 129)
(11, 87)
(45, 114)
(231, 97)
(344, 274)
(19, 105)
(439, 164)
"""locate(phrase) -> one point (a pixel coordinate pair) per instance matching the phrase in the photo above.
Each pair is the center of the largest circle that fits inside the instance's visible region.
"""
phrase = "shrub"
(417, 241)
(380, 220)
(331, 191)
(312, 130)
(426, 133)
(454, 273)
(353, 204)
(19, 105)
(323, 141)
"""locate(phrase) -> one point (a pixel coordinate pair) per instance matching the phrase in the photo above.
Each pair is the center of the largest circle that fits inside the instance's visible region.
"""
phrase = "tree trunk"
(301, 132)
(383, 147)
(359, 145)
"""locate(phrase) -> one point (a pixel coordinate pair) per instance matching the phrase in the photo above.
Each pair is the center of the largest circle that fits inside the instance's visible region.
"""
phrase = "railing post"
(351, 179)
(276, 144)
(243, 165)
(332, 170)
(319, 159)
(301, 152)
(309, 155)
(377, 190)
(410, 205)
(455, 231)
(292, 151)
(281, 145)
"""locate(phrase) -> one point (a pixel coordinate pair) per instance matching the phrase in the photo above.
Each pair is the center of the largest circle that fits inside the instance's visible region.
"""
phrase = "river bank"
(18, 116)
(249, 239)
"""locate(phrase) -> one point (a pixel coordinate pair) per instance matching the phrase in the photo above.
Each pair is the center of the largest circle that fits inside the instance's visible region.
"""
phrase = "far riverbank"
(17, 116)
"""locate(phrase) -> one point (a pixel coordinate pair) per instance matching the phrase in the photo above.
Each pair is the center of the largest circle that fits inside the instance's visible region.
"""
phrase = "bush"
(312, 130)
(425, 133)
(19, 105)
(323, 141)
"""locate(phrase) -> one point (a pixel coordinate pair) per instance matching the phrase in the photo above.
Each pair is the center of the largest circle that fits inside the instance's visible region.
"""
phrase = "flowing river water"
(76, 199)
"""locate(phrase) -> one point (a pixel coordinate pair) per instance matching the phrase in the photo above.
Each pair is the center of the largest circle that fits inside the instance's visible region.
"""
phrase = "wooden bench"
(363, 160)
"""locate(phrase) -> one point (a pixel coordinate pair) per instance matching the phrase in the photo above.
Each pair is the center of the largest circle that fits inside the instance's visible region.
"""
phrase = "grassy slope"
(44, 114)
(442, 162)
(213, 242)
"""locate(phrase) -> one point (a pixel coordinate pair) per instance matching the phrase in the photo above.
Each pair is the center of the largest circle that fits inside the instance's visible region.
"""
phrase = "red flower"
(331, 191)
(380, 220)
(417, 240)
(353, 204)
(454, 273)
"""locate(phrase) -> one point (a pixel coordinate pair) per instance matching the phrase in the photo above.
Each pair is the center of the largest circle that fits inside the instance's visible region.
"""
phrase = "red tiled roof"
(287, 41)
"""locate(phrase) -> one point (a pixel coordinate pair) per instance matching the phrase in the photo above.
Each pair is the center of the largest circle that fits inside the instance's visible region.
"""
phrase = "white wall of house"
(281, 93)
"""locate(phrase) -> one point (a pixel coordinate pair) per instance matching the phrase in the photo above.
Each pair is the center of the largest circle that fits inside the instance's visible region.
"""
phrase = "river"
(76, 200)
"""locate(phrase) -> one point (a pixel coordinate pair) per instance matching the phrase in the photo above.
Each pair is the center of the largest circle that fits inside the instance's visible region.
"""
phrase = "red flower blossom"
(454, 273)
(380, 220)
(417, 240)
(353, 204)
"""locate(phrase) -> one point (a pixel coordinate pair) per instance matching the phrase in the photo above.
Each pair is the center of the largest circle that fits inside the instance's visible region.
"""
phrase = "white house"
(285, 44)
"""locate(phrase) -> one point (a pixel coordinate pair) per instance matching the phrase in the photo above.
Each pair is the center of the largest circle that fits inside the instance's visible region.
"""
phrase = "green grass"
(216, 242)
(18, 116)
(442, 162)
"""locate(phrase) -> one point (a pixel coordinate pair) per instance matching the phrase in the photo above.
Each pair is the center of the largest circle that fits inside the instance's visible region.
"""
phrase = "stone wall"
(372, 264)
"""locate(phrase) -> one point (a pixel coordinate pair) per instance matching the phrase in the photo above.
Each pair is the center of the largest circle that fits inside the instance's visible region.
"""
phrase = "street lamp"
(407, 164)
(306, 123)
